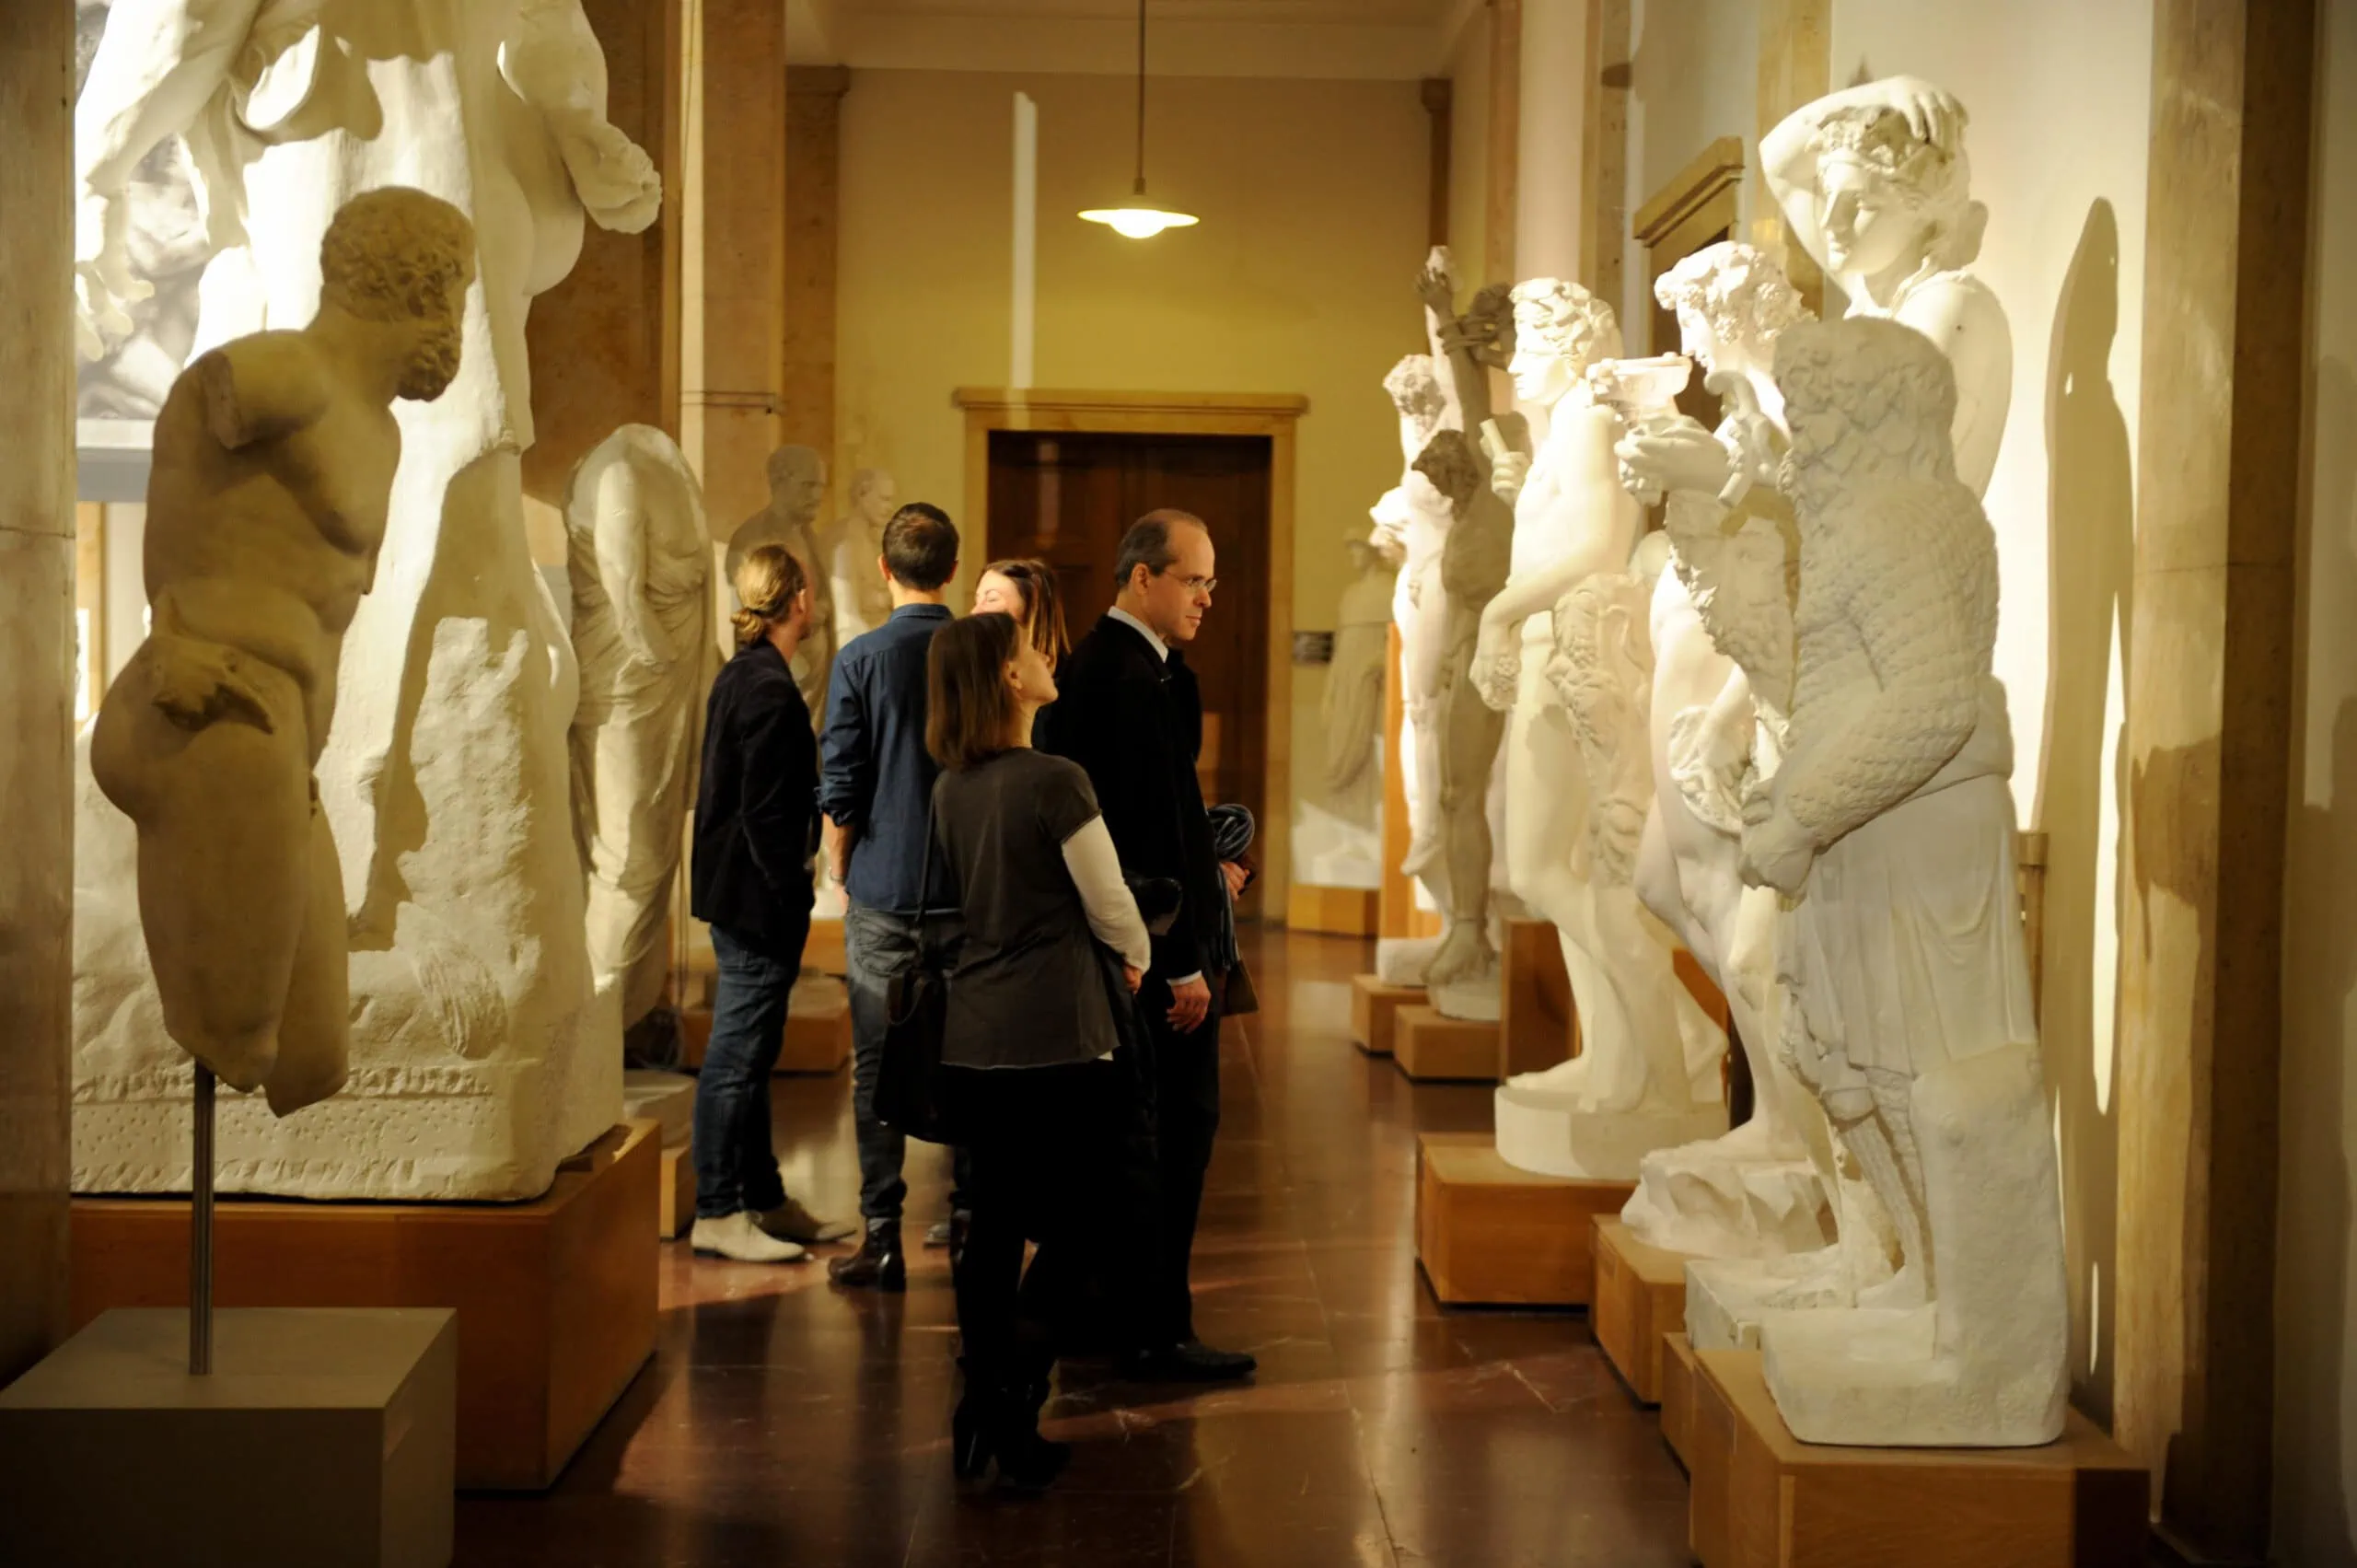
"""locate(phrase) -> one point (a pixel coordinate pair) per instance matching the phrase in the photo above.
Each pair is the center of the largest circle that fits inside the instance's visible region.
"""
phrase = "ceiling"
(1360, 39)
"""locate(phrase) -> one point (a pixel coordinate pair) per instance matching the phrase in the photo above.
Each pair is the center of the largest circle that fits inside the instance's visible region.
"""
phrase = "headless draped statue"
(1887, 830)
(641, 567)
(1755, 1193)
(1554, 651)
(273, 465)
(480, 1055)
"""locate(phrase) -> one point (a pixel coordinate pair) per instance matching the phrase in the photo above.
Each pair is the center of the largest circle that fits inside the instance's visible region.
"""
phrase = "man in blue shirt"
(876, 787)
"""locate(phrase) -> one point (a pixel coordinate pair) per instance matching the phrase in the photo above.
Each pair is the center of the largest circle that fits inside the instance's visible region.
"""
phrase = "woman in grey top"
(1029, 1043)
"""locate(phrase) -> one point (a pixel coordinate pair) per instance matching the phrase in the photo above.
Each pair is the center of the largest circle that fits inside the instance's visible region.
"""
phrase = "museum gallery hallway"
(785, 1423)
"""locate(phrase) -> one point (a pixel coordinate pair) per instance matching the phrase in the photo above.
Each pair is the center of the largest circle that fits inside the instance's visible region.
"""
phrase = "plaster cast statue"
(1337, 839)
(640, 566)
(1754, 1192)
(1875, 181)
(1887, 829)
(273, 463)
(480, 1056)
(1647, 1075)
(798, 489)
(852, 546)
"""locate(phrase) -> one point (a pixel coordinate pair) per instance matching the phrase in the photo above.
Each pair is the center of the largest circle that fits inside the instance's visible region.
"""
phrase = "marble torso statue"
(640, 563)
(798, 489)
(862, 601)
(479, 1056)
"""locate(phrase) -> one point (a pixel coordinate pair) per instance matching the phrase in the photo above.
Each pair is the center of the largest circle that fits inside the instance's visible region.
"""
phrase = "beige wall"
(2316, 1412)
(1468, 152)
(1300, 278)
(1693, 78)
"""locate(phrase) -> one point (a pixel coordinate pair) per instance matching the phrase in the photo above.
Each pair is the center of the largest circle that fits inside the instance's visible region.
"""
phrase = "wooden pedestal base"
(1335, 912)
(1489, 1235)
(1764, 1499)
(824, 951)
(555, 1298)
(1640, 1300)
(1430, 1046)
(1679, 1371)
(676, 1207)
(817, 1032)
(1375, 1011)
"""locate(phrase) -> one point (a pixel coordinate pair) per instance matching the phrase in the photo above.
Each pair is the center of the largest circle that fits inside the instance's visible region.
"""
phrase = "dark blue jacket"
(755, 823)
(875, 778)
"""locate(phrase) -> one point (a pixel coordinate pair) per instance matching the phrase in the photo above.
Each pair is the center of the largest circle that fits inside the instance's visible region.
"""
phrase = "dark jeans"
(878, 946)
(736, 1161)
(1045, 1145)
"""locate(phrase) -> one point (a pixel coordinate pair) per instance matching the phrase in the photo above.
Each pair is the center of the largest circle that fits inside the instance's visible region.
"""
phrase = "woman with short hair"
(756, 831)
(1028, 1069)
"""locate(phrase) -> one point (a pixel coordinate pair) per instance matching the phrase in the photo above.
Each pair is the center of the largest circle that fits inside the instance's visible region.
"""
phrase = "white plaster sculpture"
(1875, 181)
(1754, 1192)
(273, 463)
(1337, 841)
(798, 489)
(640, 563)
(1647, 1077)
(852, 546)
(1889, 830)
(479, 1056)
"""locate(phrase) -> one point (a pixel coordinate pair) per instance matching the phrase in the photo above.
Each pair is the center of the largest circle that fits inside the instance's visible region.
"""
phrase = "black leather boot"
(878, 1265)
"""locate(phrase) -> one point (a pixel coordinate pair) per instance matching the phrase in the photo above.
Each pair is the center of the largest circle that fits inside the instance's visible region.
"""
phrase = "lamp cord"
(1141, 184)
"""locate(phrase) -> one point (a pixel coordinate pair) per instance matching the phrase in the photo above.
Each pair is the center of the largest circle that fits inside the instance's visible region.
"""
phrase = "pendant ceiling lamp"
(1139, 218)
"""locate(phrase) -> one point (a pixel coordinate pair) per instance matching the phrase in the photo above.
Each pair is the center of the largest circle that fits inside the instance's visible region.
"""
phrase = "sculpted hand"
(614, 176)
(199, 683)
(1507, 473)
(104, 286)
(1933, 114)
(1437, 286)
(1674, 454)
(1497, 664)
(1190, 1003)
(1777, 851)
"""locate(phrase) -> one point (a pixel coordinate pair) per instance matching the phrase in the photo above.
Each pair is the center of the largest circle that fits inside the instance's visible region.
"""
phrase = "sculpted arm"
(1788, 154)
(554, 63)
(261, 389)
(1888, 742)
(620, 536)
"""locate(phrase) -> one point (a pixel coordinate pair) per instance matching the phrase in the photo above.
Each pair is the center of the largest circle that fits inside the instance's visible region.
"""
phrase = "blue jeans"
(736, 1160)
(879, 945)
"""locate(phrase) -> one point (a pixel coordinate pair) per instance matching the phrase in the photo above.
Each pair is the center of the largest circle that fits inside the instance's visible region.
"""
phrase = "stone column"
(1795, 67)
(734, 247)
(37, 651)
(1505, 135)
(1439, 94)
(814, 115)
(1550, 218)
(2209, 733)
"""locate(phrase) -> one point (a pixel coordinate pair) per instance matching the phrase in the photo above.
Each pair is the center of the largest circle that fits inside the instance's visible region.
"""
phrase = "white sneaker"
(741, 1238)
(791, 1222)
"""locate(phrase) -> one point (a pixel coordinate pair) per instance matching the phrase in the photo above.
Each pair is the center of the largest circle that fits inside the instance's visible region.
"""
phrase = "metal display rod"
(200, 1237)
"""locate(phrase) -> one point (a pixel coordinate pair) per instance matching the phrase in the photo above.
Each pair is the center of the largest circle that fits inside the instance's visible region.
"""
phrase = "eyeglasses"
(1198, 585)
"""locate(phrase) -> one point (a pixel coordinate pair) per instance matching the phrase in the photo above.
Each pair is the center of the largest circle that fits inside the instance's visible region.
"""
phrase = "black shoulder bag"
(908, 1086)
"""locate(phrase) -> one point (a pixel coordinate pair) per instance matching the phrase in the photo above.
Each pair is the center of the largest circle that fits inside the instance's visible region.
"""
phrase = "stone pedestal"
(1430, 1046)
(555, 1298)
(318, 1437)
(1640, 1302)
(1489, 1235)
(1374, 1012)
(1335, 912)
(1763, 1498)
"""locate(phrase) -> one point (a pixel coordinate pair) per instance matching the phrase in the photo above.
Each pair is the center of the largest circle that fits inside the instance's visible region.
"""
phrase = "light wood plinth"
(1539, 1028)
(1336, 911)
(555, 1298)
(1375, 1010)
(1640, 1299)
(1430, 1046)
(824, 951)
(676, 1209)
(1678, 1372)
(1489, 1235)
(1767, 1500)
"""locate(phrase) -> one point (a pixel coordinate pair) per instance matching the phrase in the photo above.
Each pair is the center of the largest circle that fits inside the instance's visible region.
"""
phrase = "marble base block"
(1549, 1135)
(321, 1436)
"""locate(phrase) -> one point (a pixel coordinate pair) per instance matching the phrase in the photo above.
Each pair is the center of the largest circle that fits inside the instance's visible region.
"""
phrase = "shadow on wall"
(2320, 988)
(2091, 552)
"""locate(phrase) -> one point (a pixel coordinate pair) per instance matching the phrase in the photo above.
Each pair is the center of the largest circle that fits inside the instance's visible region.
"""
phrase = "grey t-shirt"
(1029, 989)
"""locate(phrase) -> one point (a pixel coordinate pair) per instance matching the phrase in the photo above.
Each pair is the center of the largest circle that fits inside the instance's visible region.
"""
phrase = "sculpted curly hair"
(1736, 291)
(1936, 185)
(1566, 319)
(396, 254)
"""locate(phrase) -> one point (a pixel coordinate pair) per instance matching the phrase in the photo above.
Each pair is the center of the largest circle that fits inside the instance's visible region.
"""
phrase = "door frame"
(1277, 416)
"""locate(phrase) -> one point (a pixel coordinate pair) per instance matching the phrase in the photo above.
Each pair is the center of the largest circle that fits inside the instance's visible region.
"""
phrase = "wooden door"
(1066, 499)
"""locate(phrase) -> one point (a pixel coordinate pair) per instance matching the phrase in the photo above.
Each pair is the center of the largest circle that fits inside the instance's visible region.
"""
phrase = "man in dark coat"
(1129, 712)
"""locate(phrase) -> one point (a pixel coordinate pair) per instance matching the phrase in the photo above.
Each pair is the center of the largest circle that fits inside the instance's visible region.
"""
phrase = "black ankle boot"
(1027, 1461)
(878, 1265)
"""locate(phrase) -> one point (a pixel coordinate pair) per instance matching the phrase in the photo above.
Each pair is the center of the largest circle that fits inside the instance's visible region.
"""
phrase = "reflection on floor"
(782, 1423)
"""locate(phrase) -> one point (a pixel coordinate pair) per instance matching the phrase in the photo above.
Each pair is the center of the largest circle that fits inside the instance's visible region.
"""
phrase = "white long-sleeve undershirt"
(1113, 915)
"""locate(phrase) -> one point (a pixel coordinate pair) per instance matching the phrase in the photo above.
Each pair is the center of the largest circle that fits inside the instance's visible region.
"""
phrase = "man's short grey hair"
(1147, 543)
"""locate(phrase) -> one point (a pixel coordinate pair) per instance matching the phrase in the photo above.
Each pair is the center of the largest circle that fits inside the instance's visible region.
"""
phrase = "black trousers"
(1181, 1122)
(1046, 1148)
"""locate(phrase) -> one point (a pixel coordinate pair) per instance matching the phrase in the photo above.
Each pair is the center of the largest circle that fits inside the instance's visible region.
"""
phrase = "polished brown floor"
(783, 1423)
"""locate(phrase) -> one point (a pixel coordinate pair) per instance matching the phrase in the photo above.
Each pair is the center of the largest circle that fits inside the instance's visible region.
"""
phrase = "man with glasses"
(1131, 714)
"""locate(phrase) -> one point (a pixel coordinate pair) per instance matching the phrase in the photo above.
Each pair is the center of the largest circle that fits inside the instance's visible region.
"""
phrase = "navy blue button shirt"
(875, 778)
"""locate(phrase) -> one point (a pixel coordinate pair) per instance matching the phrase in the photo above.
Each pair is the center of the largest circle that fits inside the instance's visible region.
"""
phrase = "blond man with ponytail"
(756, 831)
